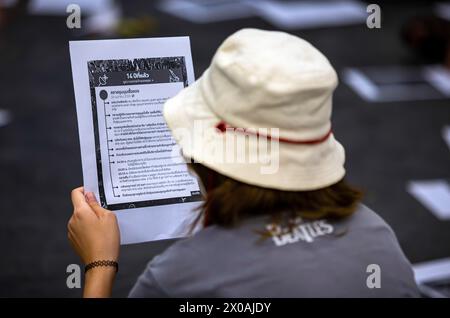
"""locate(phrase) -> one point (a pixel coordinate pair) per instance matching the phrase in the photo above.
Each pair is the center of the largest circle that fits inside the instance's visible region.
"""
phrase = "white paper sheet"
(284, 15)
(120, 88)
(58, 7)
(434, 195)
(310, 14)
(399, 83)
(207, 11)
(430, 271)
(431, 275)
(100, 16)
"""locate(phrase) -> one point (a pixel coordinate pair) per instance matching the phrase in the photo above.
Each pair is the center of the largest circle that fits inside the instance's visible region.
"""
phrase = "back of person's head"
(228, 201)
(269, 93)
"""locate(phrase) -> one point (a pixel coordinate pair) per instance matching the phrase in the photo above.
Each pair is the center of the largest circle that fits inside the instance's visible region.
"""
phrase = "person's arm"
(99, 282)
(94, 235)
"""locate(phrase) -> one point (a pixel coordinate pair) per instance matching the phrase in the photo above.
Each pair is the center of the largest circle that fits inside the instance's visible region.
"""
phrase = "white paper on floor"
(58, 7)
(284, 15)
(432, 270)
(101, 16)
(207, 11)
(104, 21)
(434, 195)
(311, 14)
(399, 83)
(5, 117)
(432, 277)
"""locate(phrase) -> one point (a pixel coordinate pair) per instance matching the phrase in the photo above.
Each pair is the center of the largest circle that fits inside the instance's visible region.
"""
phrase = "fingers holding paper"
(92, 230)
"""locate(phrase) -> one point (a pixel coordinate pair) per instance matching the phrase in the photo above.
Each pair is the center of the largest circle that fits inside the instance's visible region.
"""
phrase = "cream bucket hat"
(262, 85)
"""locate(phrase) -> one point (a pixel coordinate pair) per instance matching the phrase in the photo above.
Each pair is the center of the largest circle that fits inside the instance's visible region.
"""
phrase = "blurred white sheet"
(284, 15)
(398, 83)
(434, 195)
(311, 14)
(207, 11)
(432, 270)
(58, 7)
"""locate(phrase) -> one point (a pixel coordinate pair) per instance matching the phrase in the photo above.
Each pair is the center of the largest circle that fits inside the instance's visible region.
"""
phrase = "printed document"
(127, 149)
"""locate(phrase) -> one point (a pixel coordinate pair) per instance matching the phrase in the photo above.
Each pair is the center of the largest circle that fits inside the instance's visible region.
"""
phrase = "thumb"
(93, 203)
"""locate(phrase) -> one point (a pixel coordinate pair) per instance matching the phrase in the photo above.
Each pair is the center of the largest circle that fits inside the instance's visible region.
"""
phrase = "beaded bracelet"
(101, 263)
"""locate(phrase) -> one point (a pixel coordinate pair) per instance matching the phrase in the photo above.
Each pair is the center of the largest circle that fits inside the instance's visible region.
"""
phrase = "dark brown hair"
(228, 201)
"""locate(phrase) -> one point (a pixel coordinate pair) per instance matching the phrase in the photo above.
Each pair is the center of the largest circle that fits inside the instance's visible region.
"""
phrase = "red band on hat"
(222, 126)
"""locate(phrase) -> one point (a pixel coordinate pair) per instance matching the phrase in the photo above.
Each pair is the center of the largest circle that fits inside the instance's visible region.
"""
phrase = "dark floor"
(387, 144)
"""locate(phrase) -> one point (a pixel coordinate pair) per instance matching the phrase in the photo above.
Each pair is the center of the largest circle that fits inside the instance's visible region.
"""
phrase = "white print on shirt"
(299, 230)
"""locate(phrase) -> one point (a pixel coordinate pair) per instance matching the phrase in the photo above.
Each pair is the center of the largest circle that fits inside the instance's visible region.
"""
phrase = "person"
(297, 229)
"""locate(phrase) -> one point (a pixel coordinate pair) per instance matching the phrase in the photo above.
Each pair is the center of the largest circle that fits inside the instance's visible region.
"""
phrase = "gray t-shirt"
(322, 258)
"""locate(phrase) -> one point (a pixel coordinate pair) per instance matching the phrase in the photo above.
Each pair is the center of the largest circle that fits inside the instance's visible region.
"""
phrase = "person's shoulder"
(189, 249)
(366, 217)
(381, 243)
(369, 223)
(372, 229)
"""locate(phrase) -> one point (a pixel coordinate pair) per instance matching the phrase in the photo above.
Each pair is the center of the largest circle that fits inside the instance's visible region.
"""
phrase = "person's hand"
(92, 230)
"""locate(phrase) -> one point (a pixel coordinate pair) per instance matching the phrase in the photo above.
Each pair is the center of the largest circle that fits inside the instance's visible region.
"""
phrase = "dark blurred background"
(388, 144)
